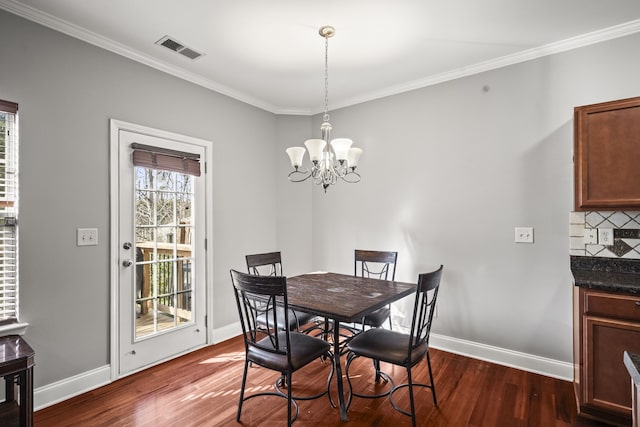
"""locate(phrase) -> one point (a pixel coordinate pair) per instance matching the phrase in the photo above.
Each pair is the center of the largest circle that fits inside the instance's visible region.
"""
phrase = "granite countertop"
(607, 274)
(632, 362)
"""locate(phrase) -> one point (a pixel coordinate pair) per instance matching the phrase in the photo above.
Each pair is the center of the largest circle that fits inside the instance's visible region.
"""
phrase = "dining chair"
(398, 348)
(270, 264)
(284, 351)
(378, 265)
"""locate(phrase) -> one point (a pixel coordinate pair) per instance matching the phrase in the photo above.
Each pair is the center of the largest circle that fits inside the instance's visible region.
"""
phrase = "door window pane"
(164, 254)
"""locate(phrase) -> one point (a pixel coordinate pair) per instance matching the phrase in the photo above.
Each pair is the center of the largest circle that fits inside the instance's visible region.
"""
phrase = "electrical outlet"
(605, 236)
(524, 235)
(590, 236)
(87, 237)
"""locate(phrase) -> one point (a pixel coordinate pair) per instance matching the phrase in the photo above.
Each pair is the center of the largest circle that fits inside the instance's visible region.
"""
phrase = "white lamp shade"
(354, 155)
(341, 147)
(315, 147)
(295, 155)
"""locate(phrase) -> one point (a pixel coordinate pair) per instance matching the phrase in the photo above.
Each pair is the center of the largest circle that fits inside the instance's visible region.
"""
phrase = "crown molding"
(583, 40)
(95, 39)
(295, 111)
(83, 34)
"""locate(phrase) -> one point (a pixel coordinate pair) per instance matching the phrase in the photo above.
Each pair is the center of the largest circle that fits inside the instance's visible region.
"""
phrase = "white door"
(161, 245)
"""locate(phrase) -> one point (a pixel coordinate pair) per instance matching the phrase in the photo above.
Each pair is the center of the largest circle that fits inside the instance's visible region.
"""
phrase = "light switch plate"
(524, 235)
(87, 237)
(590, 236)
(605, 236)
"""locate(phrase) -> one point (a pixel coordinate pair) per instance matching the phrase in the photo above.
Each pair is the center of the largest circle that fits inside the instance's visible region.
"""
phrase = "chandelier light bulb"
(316, 148)
(341, 147)
(353, 156)
(295, 155)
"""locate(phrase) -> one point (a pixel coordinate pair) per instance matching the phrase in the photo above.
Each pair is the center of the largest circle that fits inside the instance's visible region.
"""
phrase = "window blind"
(164, 159)
(8, 212)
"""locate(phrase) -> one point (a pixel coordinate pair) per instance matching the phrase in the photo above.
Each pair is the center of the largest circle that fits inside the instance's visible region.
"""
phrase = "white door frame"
(114, 254)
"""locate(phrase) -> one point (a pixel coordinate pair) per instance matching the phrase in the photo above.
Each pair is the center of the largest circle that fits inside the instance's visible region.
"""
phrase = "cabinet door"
(607, 154)
(607, 384)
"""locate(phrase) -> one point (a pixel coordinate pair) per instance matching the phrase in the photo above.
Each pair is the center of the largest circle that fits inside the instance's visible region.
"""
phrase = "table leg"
(336, 358)
(9, 382)
(26, 397)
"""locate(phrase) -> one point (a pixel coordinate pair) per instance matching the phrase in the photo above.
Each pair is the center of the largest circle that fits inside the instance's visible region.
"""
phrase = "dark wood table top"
(343, 297)
(15, 354)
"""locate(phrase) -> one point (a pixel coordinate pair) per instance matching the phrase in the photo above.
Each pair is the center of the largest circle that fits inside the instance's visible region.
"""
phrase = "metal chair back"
(376, 264)
(266, 264)
(424, 308)
(256, 296)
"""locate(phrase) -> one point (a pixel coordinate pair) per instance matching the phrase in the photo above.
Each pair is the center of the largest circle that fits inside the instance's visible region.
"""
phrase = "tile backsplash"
(624, 225)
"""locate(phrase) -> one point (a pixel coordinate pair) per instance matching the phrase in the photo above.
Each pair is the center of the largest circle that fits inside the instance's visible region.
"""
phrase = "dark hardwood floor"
(201, 389)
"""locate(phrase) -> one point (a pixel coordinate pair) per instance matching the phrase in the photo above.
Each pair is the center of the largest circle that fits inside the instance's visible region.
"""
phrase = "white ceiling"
(269, 53)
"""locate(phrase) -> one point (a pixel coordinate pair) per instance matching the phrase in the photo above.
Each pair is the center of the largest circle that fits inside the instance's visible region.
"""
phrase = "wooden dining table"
(342, 298)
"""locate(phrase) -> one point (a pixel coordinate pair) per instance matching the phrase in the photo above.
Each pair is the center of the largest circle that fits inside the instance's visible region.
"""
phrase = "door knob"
(127, 263)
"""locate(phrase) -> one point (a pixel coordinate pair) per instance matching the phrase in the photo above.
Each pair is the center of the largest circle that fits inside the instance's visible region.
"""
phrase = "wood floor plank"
(488, 404)
(202, 389)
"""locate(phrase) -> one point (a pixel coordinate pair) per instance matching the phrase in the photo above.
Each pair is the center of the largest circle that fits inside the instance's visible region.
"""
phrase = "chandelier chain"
(326, 79)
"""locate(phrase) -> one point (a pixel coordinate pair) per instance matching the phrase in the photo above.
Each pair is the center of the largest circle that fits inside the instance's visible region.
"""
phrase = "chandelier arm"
(293, 176)
(317, 174)
(351, 176)
(332, 175)
(340, 169)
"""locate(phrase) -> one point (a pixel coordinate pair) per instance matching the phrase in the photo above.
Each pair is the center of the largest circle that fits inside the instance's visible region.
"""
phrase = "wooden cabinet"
(607, 155)
(609, 326)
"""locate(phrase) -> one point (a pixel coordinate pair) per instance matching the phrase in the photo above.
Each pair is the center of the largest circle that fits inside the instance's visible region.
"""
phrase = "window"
(8, 212)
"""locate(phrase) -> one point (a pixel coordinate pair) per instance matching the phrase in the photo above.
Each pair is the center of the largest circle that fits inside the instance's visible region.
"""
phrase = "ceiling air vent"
(176, 46)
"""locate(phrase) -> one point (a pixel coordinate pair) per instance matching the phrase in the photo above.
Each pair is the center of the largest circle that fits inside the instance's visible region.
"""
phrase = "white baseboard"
(65, 389)
(53, 393)
(526, 362)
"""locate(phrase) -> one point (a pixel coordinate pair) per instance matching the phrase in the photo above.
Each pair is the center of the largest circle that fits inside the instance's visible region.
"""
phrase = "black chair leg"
(376, 365)
(413, 409)
(433, 385)
(244, 381)
(289, 399)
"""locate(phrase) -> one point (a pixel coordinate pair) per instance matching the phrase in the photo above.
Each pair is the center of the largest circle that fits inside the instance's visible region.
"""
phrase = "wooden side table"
(16, 366)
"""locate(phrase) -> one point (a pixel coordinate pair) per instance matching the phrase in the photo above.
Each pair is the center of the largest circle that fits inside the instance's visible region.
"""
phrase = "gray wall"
(67, 91)
(295, 214)
(450, 170)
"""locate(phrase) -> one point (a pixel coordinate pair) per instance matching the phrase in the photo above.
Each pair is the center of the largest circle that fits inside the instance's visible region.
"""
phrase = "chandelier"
(330, 159)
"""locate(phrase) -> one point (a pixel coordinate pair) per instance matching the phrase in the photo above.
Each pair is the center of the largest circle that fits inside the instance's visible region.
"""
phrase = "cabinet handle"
(637, 302)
